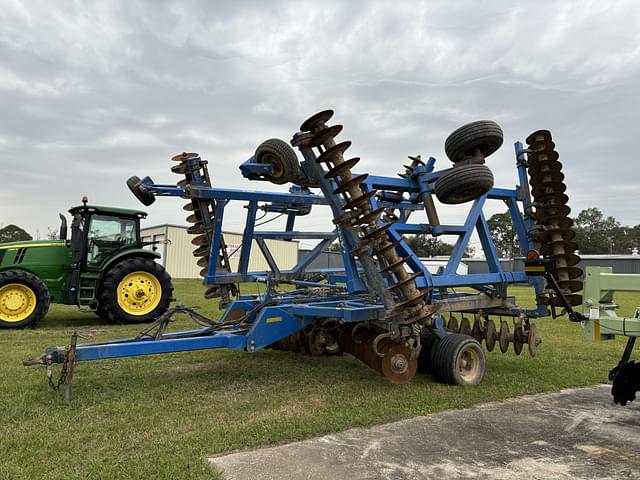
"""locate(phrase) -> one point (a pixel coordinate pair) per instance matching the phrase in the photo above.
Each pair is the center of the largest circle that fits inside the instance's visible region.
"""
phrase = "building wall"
(180, 263)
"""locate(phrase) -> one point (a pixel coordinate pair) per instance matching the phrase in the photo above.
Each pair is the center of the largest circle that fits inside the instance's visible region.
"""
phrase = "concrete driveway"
(573, 434)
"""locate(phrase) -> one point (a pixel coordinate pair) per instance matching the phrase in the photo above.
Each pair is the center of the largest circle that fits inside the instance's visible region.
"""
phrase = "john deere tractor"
(103, 267)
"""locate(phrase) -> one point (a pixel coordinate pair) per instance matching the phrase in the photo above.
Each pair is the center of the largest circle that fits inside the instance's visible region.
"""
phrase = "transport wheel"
(483, 137)
(145, 197)
(463, 184)
(281, 157)
(24, 299)
(136, 290)
(428, 340)
(458, 360)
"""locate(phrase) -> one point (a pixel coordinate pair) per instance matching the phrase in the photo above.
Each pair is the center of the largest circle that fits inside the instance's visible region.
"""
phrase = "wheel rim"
(17, 302)
(139, 293)
(469, 365)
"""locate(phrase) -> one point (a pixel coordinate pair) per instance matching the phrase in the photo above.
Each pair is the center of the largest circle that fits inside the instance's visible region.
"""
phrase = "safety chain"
(63, 372)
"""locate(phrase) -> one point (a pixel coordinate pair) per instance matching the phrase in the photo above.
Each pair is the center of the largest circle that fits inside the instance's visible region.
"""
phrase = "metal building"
(178, 260)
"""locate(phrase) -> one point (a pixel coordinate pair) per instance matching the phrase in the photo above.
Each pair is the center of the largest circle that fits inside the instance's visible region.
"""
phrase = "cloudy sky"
(94, 92)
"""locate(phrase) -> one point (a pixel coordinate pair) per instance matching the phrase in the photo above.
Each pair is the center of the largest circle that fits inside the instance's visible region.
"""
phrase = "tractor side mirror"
(63, 227)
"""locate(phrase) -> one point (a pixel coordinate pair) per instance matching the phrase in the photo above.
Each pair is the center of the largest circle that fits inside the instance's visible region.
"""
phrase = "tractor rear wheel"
(458, 360)
(135, 290)
(24, 299)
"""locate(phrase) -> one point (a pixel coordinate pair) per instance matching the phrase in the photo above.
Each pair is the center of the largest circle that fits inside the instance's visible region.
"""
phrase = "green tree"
(13, 233)
(427, 246)
(504, 235)
(597, 234)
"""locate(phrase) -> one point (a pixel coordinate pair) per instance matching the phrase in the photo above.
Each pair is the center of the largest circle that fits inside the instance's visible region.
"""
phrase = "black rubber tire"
(428, 340)
(447, 355)
(463, 183)
(485, 135)
(281, 156)
(108, 294)
(40, 291)
(143, 196)
(100, 312)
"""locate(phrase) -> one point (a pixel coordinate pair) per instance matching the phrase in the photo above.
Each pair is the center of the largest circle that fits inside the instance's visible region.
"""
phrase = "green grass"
(161, 416)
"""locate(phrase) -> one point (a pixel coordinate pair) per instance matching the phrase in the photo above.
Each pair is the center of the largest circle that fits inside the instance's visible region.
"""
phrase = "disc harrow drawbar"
(553, 229)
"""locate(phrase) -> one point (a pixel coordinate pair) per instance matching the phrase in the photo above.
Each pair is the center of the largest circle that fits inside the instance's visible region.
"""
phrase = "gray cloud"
(93, 92)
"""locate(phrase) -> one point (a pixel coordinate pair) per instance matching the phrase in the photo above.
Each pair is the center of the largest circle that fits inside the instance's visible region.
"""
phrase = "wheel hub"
(139, 293)
(17, 302)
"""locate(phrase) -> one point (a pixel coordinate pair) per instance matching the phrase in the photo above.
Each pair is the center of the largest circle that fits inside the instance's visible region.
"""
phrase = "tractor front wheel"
(136, 290)
(24, 299)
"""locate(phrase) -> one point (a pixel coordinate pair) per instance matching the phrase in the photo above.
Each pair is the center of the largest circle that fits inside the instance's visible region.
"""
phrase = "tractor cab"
(98, 233)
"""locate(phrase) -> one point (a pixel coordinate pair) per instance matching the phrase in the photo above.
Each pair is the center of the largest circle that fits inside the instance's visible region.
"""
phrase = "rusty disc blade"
(316, 120)
(185, 156)
(519, 339)
(201, 251)
(547, 178)
(453, 325)
(541, 155)
(369, 218)
(340, 169)
(410, 301)
(569, 259)
(396, 264)
(204, 271)
(556, 221)
(182, 183)
(539, 136)
(203, 261)
(377, 232)
(194, 218)
(180, 168)
(404, 282)
(388, 246)
(417, 159)
(549, 248)
(333, 153)
(397, 365)
(552, 198)
(476, 330)
(354, 182)
(503, 339)
(490, 334)
(549, 210)
(188, 207)
(557, 234)
(212, 292)
(325, 135)
(540, 190)
(571, 285)
(195, 229)
(359, 200)
(571, 272)
(542, 162)
(465, 326)
(533, 339)
(200, 240)
(572, 298)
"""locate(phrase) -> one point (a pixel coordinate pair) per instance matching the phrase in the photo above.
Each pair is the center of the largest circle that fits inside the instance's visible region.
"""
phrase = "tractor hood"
(32, 244)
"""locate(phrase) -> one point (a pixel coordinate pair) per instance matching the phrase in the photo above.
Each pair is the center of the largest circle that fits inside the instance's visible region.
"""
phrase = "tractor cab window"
(108, 234)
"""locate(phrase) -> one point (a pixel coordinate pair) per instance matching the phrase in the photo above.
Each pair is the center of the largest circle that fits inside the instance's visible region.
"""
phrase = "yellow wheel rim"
(17, 302)
(139, 293)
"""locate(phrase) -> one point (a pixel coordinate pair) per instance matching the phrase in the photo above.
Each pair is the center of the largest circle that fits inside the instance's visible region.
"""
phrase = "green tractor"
(104, 268)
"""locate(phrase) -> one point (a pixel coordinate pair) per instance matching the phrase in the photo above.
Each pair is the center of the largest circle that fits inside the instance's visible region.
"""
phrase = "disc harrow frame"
(383, 302)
